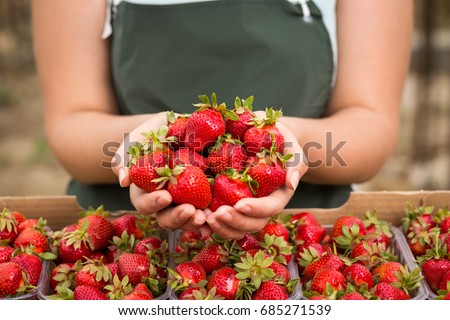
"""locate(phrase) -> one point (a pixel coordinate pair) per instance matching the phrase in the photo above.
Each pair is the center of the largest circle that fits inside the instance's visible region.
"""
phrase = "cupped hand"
(251, 214)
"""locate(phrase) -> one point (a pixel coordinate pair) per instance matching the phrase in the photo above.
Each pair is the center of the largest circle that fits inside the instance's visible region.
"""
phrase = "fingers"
(175, 217)
(148, 203)
(265, 206)
(234, 219)
(223, 230)
(296, 166)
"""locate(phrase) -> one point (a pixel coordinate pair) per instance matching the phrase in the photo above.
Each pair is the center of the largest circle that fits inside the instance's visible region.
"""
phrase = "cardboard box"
(61, 211)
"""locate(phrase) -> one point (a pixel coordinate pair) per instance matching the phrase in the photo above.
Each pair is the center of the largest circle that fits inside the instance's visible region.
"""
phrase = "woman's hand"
(252, 214)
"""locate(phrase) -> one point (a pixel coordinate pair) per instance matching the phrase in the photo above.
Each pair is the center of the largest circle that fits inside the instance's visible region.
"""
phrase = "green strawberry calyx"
(206, 103)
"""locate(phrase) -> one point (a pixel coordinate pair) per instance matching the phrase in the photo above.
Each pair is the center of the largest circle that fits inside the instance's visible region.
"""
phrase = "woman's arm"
(73, 65)
(374, 40)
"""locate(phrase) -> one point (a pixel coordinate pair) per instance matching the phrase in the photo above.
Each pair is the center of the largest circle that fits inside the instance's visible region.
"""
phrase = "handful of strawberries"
(212, 157)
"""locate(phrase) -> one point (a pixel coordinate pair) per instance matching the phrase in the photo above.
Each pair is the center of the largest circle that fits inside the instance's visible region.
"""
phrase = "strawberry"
(434, 271)
(212, 257)
(99, 229)
(328, 261)
(135, 266)
(187, 184)
(445, 225)
(8, 227)
(387, 292)
(18, 216)
(11, 279)
(420, 236)
(225, 282)
(63, 273)
(308, 234)
(248, 242)
(226, 153)
(358, 276)
(370, 254)
(88, 293)
(31, 265)
(273, 229)
(186, 274)
(114, 269)
(229, 188)
(281, 271)
(75, 245)
(422, 215)
(140, 292)
(94, 274)
(268, 170)
(324, 277)
(177, 127)
(129, 224)
(377, 230)
(264, 133)
(307, 254)
(243, 110)
(304, 218)
(386, 272)
(185, 156)
(206, 124)
(148, 244)
(31, 237)
(352, 296)
(277, 247)
(30, 223)
(269, 290)
(347, 230)
(5, 253)
(445, 282)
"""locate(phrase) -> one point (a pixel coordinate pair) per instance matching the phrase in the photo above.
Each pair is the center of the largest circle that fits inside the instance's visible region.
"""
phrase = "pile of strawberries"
(239, 154)
(23, 247)
(353, 261)
(99, 259)
(254, 267)
(428, 236)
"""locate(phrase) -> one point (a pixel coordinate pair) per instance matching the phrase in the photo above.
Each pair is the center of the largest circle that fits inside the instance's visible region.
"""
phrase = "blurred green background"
(421, 160)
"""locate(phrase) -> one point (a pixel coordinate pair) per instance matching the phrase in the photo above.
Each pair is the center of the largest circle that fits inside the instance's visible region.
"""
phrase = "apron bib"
(164, 56)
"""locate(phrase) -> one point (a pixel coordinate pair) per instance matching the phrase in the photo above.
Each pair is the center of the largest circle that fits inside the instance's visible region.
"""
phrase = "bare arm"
(73, 64)
(374, 47)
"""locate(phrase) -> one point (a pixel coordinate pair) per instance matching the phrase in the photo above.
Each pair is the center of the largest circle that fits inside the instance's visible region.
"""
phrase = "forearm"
(85, 141)
(349, 146)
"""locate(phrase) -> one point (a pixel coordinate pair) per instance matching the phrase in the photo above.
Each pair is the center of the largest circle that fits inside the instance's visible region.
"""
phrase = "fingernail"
(199, 219)
(219, 212)
(187, 213)
(295, 179)
(211, 219)
(226, 216)
(122, 175)
(243, 208)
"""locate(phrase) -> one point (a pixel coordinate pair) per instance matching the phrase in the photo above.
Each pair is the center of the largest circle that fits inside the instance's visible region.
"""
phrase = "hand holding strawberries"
(230, 169)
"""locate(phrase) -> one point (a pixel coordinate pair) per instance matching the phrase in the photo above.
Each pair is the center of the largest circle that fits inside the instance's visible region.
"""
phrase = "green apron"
(164, 56)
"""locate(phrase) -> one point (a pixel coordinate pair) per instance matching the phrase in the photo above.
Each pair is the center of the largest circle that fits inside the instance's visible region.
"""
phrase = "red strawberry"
(229, 188)
(347, 231)
(93, 274)
(273, 229)
(186, 274)
(8, 227)
(324, 277)
(114, 269)
(243, 110)
(191, 293)
(386, 271)
(307, 254)
(226, 153)
(269, 290)
(445, 281)
(445, 225)
(30, 223)
(75, 246)
(387, 292)
(328, 261)
(19, 217)
(31, 237)
(304, 218)
(212, 257)
(419, 236)
(127, 223)
(369, 253)
(264, 133)
(358, 275)
(206, 124)
(61, 273)
(135, 266)
(32, 266)
(248, 242)
(353, 296)
(11, 278)
(177, 127)
(185, 156)
(225, 282)
(88, 293)
(5, 253)
(187, 184)
(140, 292)
(434, 270)
(99, 229)
(307, 234)
(147, 244)
(146, 158)
(422, 215)
(281, 271)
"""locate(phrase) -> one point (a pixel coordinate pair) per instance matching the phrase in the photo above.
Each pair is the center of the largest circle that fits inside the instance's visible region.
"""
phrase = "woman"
(161, 54)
